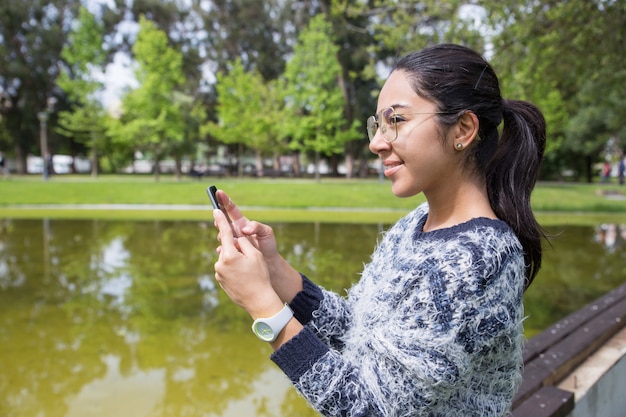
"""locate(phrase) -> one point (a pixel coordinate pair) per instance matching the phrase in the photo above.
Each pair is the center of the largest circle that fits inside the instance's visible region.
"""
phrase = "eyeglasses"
(387, 122)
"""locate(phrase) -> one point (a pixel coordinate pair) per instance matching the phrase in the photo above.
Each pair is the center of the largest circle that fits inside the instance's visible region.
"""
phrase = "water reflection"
(102, 318)
(611, 235)
(134, 395)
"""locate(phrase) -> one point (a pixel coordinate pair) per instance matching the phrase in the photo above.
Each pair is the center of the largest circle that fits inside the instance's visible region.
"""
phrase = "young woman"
(434, 325)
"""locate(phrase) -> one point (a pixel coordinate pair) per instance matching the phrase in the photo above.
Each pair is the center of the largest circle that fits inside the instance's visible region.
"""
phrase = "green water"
(105, 318)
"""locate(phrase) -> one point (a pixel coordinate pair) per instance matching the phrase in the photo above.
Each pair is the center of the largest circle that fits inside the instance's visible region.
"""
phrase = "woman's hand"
(259, 234)
(285, 280)
(242, 272)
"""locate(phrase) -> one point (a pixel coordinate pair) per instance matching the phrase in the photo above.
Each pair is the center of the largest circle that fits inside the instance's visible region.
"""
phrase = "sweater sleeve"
(325, 313)
(451, 345)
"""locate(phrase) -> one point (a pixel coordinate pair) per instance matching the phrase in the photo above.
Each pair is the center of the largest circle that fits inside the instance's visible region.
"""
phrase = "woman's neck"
(457, 205)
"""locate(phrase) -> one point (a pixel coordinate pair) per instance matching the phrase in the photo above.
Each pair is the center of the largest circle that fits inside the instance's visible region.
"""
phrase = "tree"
(248, 113)
(84, 55)
(256, 32)
(183, 26)
(32, 36)
(194, 116)
(568, 57)
(371, 35)
(31, 39)
(315, 103)
(152, 119)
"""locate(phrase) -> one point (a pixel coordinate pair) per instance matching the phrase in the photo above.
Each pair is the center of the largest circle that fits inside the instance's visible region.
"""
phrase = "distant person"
(621, 169)
(4, 165)
(434, 325)
(606, 173)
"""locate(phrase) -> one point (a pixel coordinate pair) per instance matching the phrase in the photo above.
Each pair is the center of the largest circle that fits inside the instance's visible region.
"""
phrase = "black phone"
(213, 197)
(211, 190)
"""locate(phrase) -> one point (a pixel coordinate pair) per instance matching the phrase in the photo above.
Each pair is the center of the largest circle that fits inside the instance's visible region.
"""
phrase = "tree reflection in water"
(101, 318)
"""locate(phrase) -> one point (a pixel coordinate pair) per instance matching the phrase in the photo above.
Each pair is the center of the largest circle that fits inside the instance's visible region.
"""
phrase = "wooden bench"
(557, 351)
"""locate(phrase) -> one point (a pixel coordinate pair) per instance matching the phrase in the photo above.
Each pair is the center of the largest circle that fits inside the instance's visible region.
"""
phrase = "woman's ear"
(466, 130)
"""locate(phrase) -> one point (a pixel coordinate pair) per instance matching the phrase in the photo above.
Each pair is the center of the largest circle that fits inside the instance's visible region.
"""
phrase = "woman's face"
(417, 160)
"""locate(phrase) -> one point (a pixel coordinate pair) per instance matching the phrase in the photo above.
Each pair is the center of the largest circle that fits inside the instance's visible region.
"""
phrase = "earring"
(458, 146)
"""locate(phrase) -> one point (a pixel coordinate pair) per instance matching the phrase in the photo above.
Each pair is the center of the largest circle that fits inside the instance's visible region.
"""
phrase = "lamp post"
(43, 136)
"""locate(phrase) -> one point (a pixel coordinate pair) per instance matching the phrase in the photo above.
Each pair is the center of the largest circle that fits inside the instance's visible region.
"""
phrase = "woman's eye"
(394, 119)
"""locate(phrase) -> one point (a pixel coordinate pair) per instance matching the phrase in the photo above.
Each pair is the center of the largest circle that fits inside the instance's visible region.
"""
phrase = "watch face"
(264, 331)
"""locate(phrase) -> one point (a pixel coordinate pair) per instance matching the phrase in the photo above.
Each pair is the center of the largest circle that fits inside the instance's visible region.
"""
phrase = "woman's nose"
(378, 144)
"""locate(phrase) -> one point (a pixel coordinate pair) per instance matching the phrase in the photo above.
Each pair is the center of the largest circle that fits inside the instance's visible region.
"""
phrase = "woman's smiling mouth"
(391, 167)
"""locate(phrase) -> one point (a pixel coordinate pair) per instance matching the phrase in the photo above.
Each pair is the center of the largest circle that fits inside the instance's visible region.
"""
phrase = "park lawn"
(278, 193)
(270, 200)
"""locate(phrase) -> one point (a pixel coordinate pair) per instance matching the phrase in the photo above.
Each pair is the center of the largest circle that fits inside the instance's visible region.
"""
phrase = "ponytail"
(512, 173)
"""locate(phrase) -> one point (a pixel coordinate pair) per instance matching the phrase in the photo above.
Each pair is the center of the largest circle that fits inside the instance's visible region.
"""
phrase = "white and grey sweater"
(432, 328)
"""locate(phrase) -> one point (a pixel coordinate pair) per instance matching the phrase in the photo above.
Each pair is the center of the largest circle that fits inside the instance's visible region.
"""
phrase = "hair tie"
(504, 105)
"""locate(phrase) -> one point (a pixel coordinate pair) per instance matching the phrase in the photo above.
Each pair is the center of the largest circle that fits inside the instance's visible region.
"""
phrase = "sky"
(118, 74)
(117, 77)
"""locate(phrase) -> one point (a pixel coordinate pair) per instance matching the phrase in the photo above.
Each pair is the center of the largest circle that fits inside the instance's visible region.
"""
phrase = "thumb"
(259, 229)
(246, 247)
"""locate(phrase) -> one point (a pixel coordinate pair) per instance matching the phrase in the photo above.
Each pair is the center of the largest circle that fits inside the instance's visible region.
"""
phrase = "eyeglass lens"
(385, 122)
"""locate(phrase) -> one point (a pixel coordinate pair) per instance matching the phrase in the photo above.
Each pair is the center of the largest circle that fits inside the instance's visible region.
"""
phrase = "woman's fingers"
(230, 207)
(225, 235)
(259, 235)
(256, 228)
(238, 220)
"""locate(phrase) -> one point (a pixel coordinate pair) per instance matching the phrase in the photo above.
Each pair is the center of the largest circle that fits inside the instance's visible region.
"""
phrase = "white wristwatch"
(268, 329)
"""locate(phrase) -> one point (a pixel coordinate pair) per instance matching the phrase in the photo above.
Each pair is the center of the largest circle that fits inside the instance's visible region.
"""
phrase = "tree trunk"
(94, 157)
(363, 168)
(240, 160)
(258, 163)
(334, 165)
(349, 164)
(589, 169)
(277, 172)
(156, 170)
(178, 167)
(316, 167)
(297, 170)
(20, 160)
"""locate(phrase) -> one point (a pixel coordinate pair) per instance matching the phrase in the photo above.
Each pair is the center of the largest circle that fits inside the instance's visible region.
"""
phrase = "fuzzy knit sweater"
(432, 328)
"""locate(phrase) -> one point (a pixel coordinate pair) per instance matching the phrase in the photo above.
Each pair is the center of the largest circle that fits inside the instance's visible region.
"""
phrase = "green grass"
(330, 200)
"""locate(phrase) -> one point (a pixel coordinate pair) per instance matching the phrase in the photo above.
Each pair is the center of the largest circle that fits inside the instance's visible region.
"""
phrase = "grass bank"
(330, 200)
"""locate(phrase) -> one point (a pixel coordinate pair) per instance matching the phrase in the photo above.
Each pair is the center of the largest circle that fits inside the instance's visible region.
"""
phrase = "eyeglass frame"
(374, 121)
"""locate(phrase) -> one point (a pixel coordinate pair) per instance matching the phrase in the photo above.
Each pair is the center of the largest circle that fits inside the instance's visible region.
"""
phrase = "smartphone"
(216, 204)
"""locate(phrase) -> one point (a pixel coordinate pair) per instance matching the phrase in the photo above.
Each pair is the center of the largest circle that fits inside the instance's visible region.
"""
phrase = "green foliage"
(117, 151)
(244, 103)
(249, 112)
(257, 32)
(32, 34)
(323, 61)
(315, 104)
(568, 58)
(601, 114)
(152, 119)
(83, 55)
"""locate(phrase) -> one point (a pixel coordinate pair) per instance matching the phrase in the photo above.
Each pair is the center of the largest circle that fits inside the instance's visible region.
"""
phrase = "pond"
(112, 318)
